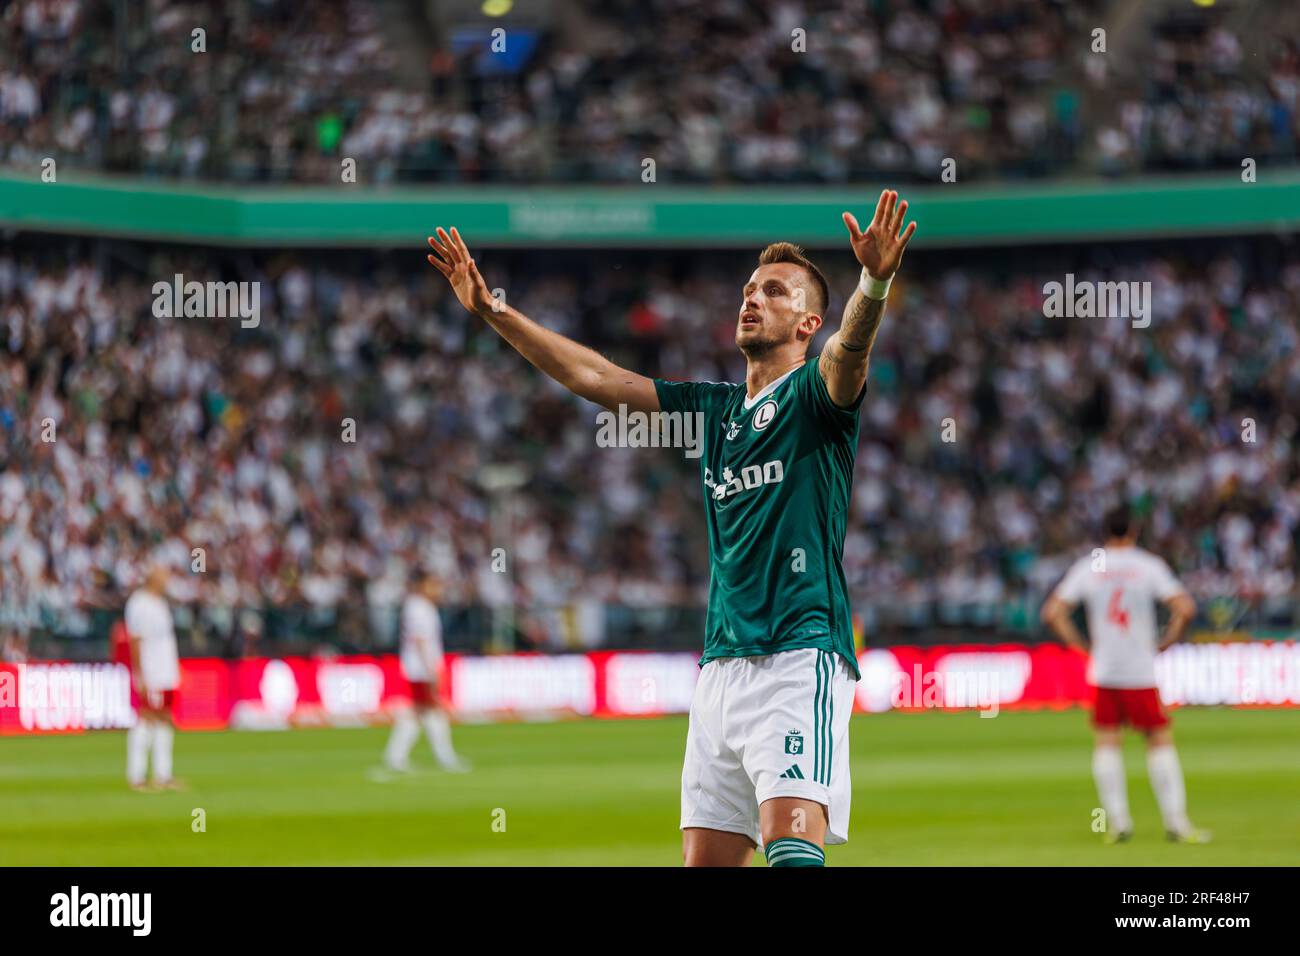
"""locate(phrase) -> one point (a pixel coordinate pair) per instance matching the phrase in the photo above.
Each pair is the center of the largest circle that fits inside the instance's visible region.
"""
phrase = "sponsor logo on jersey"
(751, 476)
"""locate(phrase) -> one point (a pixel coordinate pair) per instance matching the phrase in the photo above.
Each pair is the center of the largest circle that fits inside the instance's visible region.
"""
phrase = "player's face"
(774, 307)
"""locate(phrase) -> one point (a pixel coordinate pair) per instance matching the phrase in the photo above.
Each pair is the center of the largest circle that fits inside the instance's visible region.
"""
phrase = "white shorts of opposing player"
(765, 727)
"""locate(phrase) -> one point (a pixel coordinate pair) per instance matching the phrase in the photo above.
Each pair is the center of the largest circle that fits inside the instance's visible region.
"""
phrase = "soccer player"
(767, 757)
(155, 675)
(421, 657)
(1119, 589)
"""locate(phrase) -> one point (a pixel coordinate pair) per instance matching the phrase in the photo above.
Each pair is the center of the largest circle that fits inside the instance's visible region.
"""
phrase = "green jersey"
(778, 473)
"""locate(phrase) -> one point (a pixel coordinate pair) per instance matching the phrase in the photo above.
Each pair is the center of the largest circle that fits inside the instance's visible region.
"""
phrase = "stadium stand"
(1010, 87)
(200, 433)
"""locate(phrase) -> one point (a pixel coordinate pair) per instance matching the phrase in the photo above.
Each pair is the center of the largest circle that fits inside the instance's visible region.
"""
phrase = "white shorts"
(764, 727)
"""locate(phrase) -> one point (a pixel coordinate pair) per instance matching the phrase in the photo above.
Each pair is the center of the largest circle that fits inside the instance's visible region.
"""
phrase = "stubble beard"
(757, 348)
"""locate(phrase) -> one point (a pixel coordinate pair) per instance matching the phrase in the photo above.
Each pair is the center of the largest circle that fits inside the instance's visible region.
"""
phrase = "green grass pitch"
(928, 789)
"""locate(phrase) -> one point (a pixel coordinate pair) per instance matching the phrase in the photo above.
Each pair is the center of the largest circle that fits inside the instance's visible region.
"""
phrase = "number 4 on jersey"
(1115, 612)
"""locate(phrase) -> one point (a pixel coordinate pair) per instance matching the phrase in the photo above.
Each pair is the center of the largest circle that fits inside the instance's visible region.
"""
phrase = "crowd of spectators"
(719, 92)
(1202, 99)
(991, 440)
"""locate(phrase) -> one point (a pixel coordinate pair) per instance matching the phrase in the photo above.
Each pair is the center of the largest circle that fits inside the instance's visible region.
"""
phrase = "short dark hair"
(789, 252)
(1118, 521)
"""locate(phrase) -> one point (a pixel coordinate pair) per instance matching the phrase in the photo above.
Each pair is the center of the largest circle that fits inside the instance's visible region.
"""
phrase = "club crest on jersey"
(794, 742)
(732, 431)
(764, 414)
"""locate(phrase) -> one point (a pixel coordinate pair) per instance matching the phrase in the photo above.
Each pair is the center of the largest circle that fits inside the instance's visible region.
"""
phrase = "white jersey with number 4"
(1121, 606)
(149, 621)
(421, 639)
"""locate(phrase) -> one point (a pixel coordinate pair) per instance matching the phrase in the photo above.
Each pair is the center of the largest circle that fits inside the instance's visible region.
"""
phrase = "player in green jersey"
(767, 745)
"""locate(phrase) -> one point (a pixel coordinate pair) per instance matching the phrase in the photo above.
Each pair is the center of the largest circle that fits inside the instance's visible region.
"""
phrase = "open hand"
(454, 262)
(880, 248)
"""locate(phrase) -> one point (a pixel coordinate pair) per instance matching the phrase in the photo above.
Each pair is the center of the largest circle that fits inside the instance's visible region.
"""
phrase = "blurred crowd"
(368, 427)
(239, 91)
(725, 91)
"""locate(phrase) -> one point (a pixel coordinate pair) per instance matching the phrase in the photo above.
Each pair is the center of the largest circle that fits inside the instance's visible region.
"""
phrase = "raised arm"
(581, 370)
(843, 362)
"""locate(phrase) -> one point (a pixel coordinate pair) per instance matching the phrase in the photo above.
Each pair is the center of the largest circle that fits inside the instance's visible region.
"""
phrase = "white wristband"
(872, 287)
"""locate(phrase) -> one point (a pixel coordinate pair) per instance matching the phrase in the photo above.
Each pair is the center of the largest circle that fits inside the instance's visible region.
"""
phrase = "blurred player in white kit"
(155, 675)
(421, 657)
(1119, 591)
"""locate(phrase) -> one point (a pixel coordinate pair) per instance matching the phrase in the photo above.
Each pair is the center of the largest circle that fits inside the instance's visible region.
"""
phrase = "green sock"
(791, 851)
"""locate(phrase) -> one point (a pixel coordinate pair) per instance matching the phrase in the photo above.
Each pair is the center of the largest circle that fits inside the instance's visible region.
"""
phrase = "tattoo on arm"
(861, 321)
(851, 346)
(843, 363)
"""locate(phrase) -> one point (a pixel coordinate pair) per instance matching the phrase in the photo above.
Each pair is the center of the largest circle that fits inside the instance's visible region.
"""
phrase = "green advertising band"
(642, 215)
